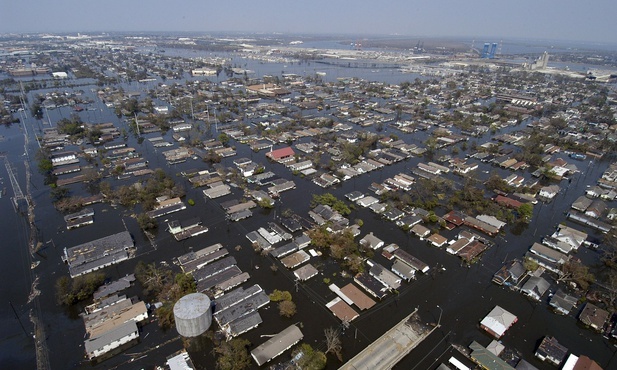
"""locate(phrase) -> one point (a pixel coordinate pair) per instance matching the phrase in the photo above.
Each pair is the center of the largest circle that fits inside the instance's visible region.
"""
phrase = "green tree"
(146, 222)
(233, 355)
(265, 203)
(223, 138)
(69, 292)
(525, 212)
(310, 359)
(280, 295)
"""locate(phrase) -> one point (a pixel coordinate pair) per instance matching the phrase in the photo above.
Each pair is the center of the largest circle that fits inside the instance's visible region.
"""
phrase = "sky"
(522, 19)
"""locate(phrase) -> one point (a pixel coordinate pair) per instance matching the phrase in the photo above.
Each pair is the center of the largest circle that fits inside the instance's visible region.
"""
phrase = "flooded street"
(452, 294)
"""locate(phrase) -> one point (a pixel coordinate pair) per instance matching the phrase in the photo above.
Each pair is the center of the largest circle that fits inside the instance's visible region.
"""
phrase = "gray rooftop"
(277, 345)
(97, 344)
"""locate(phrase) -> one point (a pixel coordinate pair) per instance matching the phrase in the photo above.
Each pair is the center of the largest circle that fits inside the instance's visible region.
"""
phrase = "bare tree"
(575, 271)
(611, 286)
(333, 343)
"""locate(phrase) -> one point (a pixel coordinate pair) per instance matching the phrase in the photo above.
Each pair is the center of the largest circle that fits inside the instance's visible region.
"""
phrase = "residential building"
(562, 302)
(593, 316)
(497, 322)
(551, 351)
(535, 287)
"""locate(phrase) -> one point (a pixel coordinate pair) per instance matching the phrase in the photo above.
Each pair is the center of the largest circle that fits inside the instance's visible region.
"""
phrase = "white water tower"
(193, 314)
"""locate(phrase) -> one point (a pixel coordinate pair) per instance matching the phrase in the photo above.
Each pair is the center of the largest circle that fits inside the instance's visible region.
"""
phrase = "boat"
(34, 264)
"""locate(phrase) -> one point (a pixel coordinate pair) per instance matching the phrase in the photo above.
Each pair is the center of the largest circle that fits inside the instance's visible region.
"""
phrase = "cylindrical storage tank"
(193, 314)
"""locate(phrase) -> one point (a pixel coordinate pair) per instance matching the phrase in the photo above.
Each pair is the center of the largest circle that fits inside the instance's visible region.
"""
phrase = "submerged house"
(535, 287)
(562, 302)
(497, 322)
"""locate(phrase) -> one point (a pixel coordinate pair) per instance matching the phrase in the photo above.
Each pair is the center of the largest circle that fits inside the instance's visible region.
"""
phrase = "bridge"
(391, 347)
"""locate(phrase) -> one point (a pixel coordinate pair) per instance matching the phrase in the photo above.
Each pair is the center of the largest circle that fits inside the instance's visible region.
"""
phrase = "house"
(299, 166)
(455, 218)
(459, 244)
(393, 214)
(437, 240)
(596, 209)
(409, 221)
(118, 336)
(497, 322)
(609, 195)
(548, 253)
(491, 220)
(507, 202)
(276, 345)
(562, 302)
(581, 203)
(411, 260)
(535, 287)
(472, 250)
(384, 276)
(580, 363)
(421, 231)
(550, 350)
(354, 196)
(487, 359)
(593, 316)
(571, 237)
(510, 273)
(371, 241)
(595, 192)
(403, 270)
(549, 192)
(524, 365)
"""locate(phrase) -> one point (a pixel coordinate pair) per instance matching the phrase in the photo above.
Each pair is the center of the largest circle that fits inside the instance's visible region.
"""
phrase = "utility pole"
(17, 317)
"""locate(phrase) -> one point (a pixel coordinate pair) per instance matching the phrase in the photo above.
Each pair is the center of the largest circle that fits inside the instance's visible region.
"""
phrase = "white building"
(111, 340)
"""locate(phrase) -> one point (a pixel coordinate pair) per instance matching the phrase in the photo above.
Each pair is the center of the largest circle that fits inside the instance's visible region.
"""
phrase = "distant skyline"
(566, 20)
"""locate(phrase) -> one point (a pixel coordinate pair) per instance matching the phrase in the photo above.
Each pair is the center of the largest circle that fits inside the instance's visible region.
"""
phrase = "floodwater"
(456, 296)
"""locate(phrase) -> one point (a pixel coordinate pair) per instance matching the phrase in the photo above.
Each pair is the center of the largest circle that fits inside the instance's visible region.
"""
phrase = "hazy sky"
(538, 19)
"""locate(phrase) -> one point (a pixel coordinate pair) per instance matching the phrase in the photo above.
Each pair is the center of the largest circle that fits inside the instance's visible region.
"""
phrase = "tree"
(525, 212)
(146, 222)
(233, 355)
(59, 193)
(280, 295)
(265, 203)
(530, 265)
(309, 358)
(152, 278)
(287, 308)
(69, 292)
(223, 138)
(610, 249)
(611, 286)
(331, 200)
(574, 271)
(72, 126)
(333, 343)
